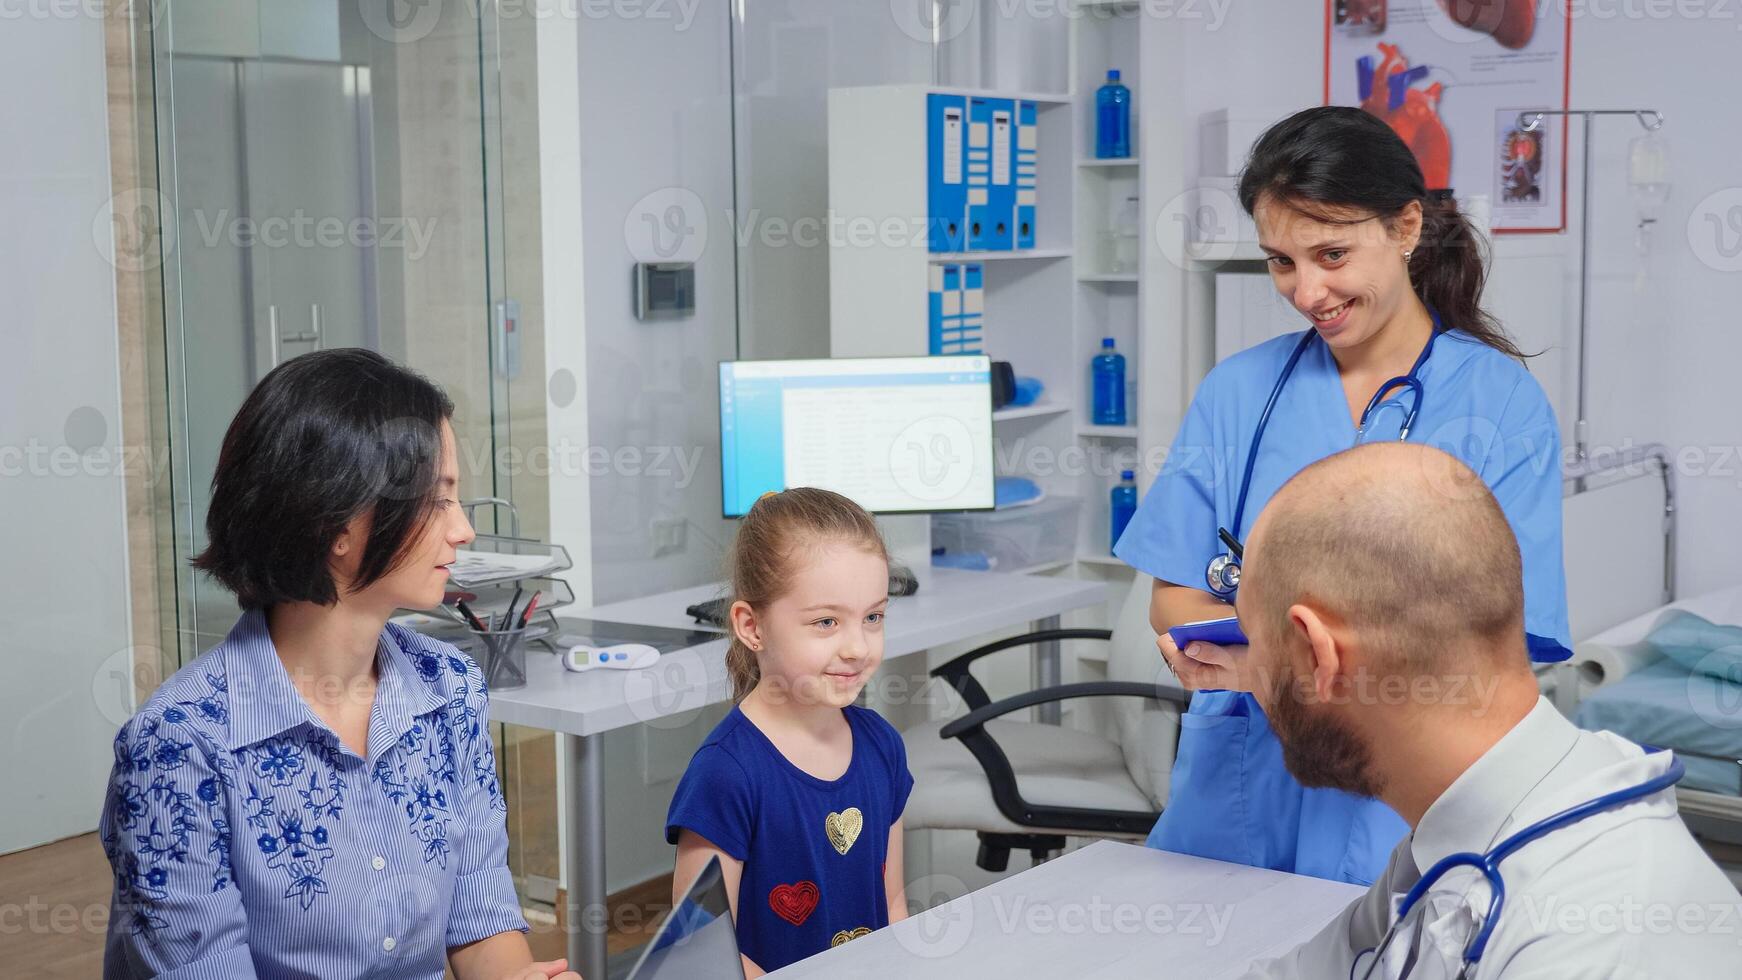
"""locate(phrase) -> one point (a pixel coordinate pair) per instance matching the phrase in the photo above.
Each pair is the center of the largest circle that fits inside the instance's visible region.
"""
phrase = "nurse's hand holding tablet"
(1387, 276)
(1206, 655)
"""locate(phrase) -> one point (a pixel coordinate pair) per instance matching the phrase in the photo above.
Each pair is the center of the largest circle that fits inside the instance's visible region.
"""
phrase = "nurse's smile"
(1330, 321)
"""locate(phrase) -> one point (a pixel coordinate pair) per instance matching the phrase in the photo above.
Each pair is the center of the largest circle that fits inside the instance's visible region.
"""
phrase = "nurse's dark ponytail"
(1330, 160)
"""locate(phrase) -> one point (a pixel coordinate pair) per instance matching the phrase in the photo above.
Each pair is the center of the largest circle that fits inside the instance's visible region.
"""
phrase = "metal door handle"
(272, 332)
(312, 337)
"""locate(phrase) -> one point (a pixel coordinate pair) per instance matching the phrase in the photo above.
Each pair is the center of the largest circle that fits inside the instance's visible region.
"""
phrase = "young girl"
(798, 792)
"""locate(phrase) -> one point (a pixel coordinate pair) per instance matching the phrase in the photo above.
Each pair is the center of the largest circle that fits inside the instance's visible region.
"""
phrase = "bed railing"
(1605, 469)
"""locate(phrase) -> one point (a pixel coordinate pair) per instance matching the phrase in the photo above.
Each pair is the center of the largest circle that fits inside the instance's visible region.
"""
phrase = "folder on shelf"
(980, 211)
(1027, 167)
(969, 336)
(1003, 196)
(946, 177)
(946, 306)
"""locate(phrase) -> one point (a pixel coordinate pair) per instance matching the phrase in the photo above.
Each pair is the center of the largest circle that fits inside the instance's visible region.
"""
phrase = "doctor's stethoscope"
(1489, 865)
(1223, 573)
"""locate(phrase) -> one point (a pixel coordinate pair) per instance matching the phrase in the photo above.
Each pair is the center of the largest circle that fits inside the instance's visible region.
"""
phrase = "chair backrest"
(1147, 731)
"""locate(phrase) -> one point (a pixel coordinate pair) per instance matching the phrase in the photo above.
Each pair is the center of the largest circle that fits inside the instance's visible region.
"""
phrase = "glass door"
(352, 174)
(329, 174)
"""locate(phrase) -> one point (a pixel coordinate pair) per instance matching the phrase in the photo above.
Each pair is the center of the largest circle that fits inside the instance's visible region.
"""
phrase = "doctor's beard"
(1320, 750)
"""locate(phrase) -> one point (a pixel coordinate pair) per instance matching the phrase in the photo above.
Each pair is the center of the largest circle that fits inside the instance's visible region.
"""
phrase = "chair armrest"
(1064, 692)
(1001, 776)
(956, 670)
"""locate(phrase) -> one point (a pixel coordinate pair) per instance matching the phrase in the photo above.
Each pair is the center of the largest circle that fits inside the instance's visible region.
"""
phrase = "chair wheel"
(992, 857)
(995, 849)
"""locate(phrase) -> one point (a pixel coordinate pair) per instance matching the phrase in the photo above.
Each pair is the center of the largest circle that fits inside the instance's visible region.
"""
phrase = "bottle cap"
(1112, 74)
(1106, 342)
(1127, 475)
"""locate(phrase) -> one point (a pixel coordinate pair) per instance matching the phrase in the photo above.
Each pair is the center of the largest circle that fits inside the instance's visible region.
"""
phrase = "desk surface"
(953, 606)
(1109, 910)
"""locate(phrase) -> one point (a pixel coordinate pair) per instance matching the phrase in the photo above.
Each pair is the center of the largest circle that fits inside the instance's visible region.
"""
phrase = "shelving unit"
(1107, 431)
(879, 289)
(1108, 295)
(1024, 255)
(1215, 253)
(1046, 308)
(1039, 409)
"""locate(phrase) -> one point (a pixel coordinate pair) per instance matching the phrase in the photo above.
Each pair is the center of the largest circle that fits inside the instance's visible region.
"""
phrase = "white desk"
(1109, 910)
(951, 607)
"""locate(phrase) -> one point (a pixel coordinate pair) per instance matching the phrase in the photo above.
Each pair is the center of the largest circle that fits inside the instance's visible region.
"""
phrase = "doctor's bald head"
(1400, 545)
(1382, 576)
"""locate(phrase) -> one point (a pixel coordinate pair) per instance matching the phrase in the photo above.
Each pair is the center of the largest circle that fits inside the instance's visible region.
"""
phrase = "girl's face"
(421, 577)
(820, 642)
(1348, 280)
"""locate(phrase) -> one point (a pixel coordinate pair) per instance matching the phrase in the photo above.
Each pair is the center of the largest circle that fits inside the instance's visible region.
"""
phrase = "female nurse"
(1388, 278)
(316, 796)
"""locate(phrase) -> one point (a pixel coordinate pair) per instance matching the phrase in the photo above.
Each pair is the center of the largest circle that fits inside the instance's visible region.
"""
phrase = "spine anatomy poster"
(1451, 77)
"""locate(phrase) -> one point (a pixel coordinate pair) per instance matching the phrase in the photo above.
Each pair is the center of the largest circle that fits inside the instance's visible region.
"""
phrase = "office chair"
(1026, 785)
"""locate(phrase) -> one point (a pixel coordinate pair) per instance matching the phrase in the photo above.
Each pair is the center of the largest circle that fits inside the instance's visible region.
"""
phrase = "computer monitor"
(895, 434)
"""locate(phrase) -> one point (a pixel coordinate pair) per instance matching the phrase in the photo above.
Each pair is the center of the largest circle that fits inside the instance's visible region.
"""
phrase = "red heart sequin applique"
(794, 903)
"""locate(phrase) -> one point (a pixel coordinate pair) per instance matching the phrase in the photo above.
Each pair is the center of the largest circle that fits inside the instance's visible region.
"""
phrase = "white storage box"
(1224, 141)
(1216, 216)
(1014, 538)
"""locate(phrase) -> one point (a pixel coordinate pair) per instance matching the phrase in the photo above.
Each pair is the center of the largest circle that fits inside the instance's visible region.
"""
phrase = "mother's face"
(420, 577)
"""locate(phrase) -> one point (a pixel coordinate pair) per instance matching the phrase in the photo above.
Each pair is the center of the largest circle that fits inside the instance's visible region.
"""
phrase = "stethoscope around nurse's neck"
(1223, 573)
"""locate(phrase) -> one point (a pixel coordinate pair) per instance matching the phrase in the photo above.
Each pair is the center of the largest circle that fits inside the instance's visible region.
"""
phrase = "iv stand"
(1530, 121)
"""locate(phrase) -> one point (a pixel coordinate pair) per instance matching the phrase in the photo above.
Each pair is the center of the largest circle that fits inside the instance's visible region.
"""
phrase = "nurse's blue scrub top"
(1231, 797)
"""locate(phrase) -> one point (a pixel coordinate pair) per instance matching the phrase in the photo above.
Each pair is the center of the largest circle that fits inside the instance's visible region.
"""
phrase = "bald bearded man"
(1383, 597)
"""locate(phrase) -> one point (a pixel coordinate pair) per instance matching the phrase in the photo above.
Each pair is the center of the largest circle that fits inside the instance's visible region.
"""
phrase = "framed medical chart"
(1451, 76)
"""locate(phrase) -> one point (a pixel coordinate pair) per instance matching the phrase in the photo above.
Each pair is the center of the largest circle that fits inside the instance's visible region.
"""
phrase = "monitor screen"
(894, 434)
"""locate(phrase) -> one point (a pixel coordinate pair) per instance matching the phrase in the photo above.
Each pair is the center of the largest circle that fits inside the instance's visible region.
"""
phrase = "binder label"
(952, 146)
(1001, 147)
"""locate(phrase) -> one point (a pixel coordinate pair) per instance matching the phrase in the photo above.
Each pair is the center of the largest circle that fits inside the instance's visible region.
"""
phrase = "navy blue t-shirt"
(813, 849)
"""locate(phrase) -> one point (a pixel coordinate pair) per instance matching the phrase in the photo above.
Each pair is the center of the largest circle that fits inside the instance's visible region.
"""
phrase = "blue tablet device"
(1222, 632)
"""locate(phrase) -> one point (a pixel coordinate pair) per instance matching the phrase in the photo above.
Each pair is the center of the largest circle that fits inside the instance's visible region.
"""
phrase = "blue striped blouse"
(247, 841)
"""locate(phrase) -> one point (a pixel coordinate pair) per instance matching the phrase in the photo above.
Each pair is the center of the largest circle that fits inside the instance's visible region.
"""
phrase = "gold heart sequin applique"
(846, 937)
(844, 828)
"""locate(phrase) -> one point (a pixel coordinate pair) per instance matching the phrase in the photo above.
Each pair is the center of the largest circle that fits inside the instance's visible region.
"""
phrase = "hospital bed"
(1620, 557)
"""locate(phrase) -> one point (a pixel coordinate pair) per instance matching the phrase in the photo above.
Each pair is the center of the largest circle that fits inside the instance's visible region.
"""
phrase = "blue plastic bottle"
(1124, 504)
(1108, 372)
(1112, 118)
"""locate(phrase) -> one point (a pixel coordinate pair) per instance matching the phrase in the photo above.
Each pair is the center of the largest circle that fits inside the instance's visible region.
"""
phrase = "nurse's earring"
(1407, 253)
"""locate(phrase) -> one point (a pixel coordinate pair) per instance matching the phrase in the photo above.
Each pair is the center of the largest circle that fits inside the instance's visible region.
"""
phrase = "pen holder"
(503, 657)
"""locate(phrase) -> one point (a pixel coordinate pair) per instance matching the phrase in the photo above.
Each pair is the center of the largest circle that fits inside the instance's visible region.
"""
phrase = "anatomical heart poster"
(1451, 77)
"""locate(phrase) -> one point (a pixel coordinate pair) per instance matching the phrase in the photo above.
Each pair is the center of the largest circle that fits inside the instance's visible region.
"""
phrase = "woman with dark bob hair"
(316, 796)
(1387, 275)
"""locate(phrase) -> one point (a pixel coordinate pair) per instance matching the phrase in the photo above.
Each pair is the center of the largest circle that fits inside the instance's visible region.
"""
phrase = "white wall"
(655, 145)
(1668, 357)
(64, 575)
(787, 56)
(656, 175)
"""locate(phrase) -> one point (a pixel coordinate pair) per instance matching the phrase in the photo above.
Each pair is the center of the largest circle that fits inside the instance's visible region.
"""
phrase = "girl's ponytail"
(761, 559)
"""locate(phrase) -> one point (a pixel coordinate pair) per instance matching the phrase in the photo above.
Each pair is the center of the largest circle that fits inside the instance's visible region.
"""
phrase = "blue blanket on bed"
(1690, 700)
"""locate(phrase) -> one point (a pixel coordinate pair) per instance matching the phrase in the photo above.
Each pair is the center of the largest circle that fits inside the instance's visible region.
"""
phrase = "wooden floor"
(54, 900)
(63, 892)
